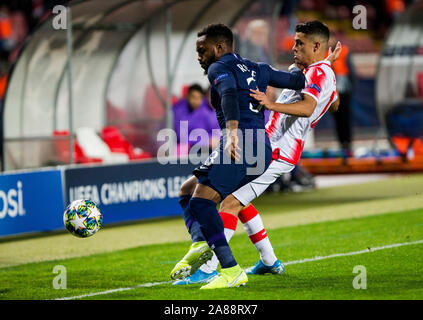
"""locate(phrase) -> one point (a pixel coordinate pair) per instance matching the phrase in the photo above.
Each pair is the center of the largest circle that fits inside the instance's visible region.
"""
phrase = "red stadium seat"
(62, 149)
(117, 143)
(184, 91)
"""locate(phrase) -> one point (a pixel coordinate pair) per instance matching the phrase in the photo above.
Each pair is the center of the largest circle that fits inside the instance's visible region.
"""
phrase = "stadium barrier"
(34, 201)
(31, 201)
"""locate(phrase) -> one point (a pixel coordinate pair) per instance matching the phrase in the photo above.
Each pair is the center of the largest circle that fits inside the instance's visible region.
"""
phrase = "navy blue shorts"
(224, 175)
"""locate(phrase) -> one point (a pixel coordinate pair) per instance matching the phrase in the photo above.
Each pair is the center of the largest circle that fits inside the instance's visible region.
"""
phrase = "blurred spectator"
(4, 70)
(196, 110)
(18, 18)
(20, 30)
(344, 73)
(395, 7)
(7, 40)
(254, 46)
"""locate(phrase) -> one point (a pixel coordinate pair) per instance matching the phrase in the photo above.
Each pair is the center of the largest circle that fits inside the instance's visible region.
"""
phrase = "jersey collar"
(318, 63)
(228, 56)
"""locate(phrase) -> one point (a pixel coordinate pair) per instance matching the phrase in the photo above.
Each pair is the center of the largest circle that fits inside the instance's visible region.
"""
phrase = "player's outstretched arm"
(303, 108)
(294, 79)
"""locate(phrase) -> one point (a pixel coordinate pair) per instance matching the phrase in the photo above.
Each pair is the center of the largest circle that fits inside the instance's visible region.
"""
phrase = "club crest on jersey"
(314, 86)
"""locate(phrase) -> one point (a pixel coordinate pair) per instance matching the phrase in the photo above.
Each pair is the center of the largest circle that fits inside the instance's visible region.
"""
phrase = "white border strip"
(152, 284)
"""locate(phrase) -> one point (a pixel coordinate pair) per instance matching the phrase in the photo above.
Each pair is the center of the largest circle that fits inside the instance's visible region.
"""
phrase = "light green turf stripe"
(64, 246)
(340, 212)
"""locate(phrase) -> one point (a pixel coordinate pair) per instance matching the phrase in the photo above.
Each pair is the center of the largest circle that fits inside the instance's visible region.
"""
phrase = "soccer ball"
(83, 218)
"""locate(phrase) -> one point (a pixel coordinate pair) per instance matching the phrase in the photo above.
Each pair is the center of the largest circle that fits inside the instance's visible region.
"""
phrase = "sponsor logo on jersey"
(220, 77)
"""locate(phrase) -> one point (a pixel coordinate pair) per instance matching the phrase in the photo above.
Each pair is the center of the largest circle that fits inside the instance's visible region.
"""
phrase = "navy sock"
(192, 225)
(206, 214)
(184, 201)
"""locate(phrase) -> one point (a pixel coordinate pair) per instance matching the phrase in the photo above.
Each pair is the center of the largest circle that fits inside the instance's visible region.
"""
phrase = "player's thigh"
(255, 188)
(188, 187)
(205, 192)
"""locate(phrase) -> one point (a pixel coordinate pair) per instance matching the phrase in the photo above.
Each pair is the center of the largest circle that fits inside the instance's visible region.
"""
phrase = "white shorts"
(255, 188)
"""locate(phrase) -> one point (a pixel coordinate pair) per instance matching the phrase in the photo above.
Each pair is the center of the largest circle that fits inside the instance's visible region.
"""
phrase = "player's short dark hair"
(314, 28)
(195, 87)
(218, 32)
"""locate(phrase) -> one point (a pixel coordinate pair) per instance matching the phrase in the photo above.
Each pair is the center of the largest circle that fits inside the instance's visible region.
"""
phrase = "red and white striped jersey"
(287, 133)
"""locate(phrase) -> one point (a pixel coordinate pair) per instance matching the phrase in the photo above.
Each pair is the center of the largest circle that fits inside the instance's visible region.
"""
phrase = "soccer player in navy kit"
(227, 169)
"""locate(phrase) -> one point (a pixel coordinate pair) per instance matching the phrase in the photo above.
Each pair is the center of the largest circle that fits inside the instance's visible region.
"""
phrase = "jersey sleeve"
(316, 78)
(294, 79)
(223, 80)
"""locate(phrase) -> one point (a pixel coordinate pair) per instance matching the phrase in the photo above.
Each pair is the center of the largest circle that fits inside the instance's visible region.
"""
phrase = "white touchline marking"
(354, 252)
(152, 284)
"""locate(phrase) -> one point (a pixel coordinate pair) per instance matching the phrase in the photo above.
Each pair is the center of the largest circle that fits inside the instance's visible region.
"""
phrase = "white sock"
(253, 225)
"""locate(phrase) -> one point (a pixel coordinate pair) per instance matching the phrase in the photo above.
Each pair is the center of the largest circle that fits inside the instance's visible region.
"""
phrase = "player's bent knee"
(231, 205)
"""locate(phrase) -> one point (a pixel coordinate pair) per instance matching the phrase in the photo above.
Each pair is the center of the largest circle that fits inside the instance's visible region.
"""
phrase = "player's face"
(206, 53)
(303, 49)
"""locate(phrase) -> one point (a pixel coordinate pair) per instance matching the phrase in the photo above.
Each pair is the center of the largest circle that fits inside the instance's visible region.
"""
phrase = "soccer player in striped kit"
(293, 115)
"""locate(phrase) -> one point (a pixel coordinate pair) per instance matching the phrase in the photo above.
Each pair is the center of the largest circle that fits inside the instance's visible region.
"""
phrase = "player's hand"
(296, 65)
(231, 147)
(333, 55)
(261, 97)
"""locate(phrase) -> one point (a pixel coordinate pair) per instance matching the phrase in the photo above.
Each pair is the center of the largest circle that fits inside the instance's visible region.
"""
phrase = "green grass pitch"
(143, 272)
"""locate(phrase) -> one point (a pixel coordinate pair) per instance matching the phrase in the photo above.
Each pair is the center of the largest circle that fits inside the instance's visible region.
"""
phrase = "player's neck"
(223, 53)
(317, 58)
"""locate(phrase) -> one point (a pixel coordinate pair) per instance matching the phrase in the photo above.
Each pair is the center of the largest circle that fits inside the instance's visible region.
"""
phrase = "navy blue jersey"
(232, 77)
